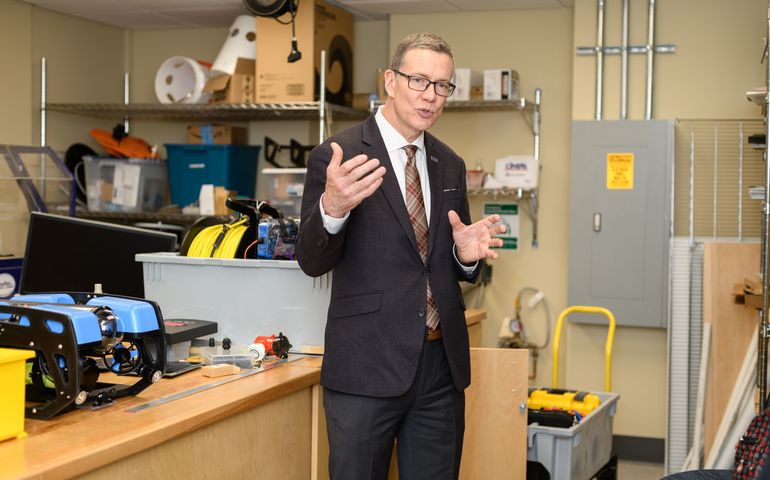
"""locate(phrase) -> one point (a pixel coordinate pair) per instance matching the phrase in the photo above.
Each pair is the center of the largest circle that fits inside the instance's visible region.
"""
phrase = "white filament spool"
(181, 80)
(240, 43)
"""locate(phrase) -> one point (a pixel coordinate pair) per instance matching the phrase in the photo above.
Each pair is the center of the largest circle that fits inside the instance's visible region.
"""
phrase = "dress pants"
(428, 421)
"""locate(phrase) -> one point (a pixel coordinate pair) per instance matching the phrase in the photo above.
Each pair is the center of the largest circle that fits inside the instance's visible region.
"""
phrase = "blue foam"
(136, 316)
(44, 298)
(84, 322)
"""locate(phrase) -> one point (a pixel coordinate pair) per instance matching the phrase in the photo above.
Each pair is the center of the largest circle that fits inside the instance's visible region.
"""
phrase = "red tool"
(277, 345)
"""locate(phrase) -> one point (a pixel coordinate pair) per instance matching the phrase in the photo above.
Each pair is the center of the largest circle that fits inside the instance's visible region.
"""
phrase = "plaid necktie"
(415, 205)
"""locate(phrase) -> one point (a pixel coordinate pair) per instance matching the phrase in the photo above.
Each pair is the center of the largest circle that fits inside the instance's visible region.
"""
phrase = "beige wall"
(719, 45)
(15, 46)
(85, 61)
(82, 56)
(15, 116)
(372, 51)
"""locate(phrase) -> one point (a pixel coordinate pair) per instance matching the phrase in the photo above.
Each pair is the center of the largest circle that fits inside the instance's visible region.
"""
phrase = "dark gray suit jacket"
(376, 320)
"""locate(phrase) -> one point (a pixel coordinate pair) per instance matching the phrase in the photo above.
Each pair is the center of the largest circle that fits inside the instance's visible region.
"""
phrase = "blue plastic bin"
(231, 166)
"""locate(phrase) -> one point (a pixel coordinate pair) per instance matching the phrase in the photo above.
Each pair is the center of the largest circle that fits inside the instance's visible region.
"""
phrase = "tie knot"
(410, 150)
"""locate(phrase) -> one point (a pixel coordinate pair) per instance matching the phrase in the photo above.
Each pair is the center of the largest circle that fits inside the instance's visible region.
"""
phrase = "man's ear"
(390, 81)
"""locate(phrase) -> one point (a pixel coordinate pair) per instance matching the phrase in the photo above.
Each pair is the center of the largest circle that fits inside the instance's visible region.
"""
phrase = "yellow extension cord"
(205, 243)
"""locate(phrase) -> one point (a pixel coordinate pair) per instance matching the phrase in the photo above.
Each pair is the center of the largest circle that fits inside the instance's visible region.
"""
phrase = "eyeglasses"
(444, 89)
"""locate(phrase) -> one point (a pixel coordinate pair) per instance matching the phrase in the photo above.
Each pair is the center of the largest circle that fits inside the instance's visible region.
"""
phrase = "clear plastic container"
(236, 355)
(285, 187)
(125, 184)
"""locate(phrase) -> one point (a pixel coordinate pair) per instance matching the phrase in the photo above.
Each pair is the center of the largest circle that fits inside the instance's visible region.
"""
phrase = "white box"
(246, 298)
(501, 84)
(517, 171)
(465, 78)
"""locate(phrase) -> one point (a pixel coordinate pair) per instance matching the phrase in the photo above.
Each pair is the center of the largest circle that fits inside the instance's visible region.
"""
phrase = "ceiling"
(161, 14)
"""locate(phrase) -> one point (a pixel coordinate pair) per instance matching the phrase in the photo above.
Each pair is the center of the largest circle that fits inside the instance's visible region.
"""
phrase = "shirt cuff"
(468, 269)
(331, 224)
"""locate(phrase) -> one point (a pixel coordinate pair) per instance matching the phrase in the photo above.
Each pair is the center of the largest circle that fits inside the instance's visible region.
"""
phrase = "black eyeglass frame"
(409, 84)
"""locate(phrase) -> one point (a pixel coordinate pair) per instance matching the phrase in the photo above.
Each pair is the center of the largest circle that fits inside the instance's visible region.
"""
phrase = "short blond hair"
(425, 40)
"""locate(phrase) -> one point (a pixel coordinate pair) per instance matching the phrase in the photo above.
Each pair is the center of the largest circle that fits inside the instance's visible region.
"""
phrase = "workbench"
(266, 425)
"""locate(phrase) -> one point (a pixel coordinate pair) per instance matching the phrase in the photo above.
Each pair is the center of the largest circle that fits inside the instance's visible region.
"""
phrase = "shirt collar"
(394, 140)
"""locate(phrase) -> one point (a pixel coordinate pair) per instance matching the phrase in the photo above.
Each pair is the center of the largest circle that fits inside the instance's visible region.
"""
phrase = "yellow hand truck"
(583, 450)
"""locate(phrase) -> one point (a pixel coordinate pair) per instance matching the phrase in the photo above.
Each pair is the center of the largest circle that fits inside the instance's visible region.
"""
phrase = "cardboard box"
(501, 84)
(217, 134)
(212, 199)
(236, 88)
(319, 26)
(361, 101)
(742, 297)
(464, 80)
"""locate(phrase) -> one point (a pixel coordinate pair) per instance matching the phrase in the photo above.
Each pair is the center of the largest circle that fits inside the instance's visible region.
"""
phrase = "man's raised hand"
(349, 183)
(475, 241)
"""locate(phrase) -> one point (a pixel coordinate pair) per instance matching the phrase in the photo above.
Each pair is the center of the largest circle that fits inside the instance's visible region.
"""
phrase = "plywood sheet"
(495, 444)
(732, 326)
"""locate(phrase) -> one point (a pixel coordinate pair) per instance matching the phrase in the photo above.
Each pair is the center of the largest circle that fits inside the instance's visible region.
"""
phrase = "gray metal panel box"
(620, 219)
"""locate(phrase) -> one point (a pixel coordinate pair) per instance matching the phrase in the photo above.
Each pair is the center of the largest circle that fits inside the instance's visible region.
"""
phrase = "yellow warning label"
(620, 171)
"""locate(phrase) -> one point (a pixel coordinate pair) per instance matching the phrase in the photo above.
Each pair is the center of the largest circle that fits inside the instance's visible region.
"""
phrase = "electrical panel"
(620, 215)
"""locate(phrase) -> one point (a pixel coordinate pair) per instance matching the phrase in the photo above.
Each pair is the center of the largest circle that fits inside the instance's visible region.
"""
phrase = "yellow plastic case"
(581, 402)
(12, 388)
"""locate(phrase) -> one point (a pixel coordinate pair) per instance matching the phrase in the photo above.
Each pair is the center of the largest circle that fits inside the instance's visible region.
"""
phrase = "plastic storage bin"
(125, 184)
(247, 298)
(579, 452)
(284, 189)
(12, 372)
(231, 166)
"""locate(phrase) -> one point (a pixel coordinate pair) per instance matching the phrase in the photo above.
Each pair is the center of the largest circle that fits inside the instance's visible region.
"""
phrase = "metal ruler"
(186, 393)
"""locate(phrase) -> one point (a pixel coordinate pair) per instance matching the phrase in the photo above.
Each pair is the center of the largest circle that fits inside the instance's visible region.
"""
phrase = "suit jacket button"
(421, 312)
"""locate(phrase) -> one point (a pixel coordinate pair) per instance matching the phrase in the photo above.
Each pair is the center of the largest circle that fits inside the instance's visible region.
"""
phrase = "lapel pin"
(433, 159)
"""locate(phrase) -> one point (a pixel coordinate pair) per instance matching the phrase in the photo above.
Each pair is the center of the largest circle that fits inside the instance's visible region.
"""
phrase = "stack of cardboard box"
(319, 26)
(272, 79)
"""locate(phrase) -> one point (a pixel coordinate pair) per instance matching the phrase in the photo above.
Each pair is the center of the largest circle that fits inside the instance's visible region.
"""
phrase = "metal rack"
(531, 196)
(323, 111)
(764, 256)
(234, 112)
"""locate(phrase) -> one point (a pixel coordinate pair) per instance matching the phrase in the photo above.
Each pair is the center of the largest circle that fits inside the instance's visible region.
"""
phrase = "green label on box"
(509, 216)
(501, 208)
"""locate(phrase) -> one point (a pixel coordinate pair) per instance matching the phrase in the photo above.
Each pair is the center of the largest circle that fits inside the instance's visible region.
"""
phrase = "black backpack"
(752, 455)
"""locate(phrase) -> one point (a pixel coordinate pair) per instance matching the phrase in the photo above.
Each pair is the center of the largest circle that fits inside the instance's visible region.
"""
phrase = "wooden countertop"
(83, 440)
(474, 316)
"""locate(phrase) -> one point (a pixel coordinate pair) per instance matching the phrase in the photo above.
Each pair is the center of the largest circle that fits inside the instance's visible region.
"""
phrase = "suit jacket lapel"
(374, 147)
(436, 178)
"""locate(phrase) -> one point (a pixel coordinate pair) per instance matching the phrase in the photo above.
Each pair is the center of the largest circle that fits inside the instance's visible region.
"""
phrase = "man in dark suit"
(385, 208)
